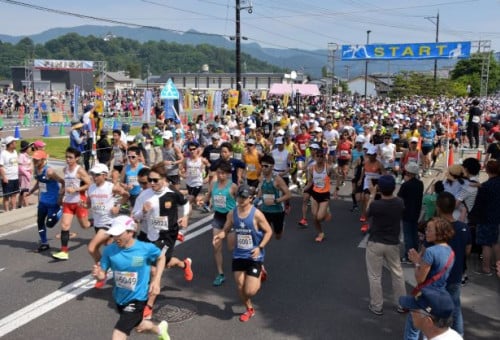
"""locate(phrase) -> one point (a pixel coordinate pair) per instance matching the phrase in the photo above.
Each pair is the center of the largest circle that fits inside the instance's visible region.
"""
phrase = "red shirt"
(302, 140)
(344, 149)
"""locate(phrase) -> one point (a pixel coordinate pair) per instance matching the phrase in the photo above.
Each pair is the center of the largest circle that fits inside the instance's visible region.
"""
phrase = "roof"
(118, 76)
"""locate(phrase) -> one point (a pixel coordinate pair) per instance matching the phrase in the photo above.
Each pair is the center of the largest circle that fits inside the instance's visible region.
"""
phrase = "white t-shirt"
(9, 162)
(450, 334)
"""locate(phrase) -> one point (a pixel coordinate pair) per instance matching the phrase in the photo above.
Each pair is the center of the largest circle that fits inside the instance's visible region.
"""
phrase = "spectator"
(10, 174)
(25, 173)
(429, 200)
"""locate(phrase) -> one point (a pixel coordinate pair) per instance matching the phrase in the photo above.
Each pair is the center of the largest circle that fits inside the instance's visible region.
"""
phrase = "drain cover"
(173, 310)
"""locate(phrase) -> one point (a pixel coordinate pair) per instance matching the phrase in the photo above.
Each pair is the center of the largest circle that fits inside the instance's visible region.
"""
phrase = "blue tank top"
(247, 237)
(356, 154)
(49, 188)
(270, 191)
(222, 200)
(131, 178)
(428, 137)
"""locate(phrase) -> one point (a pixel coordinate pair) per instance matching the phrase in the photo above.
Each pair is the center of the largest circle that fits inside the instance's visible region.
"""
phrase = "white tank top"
(102, 201)
(194, 174)
(280, 159)
(71, 181)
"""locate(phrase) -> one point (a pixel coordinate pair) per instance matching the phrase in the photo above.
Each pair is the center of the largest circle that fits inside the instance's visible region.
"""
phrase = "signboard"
(54, 64)
(441, 50)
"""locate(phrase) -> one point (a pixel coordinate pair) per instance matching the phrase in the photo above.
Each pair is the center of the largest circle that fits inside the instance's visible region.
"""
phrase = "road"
(314, 291)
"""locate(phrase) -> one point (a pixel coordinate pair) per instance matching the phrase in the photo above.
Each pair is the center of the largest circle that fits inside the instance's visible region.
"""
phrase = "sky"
(283, 24)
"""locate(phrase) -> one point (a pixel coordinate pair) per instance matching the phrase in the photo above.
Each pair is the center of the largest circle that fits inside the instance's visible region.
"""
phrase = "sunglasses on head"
(153, 180)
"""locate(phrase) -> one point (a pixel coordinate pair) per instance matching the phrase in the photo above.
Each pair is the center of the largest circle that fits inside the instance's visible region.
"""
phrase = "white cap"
(279, 140)
(428, 123)
(372, 150)
(9, 140)
(251, 141)
(120, 224)
(167, 135)
(367, 145)
(318, 129)
(360, 139)
(396, 126)
(413, 140)
(236, 133)
(99, 168)
(281, 132)
(130, 139)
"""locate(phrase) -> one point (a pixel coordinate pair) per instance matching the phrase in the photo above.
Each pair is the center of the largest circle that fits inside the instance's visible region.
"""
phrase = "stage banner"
(441, 50)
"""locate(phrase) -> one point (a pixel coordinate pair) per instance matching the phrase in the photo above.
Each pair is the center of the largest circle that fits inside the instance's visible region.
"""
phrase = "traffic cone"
(61, 130)
(26, 121)
(451, 159)
(17, 133)
(479, 155)
(46, 132)
(1, 122)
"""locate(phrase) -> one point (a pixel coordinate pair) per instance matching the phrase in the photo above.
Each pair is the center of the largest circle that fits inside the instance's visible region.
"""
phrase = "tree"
(468, 72)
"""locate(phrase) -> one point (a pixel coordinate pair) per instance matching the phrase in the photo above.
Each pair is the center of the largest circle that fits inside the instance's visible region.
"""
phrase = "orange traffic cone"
(451, 159)
(479, 155)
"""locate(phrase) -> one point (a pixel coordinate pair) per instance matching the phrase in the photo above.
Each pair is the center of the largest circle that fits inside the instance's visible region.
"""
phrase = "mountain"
(308, 61)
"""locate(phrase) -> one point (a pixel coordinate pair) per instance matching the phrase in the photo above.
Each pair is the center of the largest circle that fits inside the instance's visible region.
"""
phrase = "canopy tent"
(302, 89)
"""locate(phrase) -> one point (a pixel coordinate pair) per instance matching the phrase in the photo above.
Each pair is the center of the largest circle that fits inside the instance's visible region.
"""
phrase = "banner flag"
(210, 102)
(148, 103)
(218, 103)
(440, 50)
(169, 111)
(232, 101)
(286, 98)
(76, 96)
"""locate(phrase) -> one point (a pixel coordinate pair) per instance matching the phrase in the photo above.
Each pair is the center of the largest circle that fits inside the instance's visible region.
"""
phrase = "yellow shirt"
(253, 165)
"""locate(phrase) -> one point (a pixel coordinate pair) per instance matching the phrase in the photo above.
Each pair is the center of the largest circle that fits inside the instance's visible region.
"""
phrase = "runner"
(344, 155)
(192, 171)
(252, 235)
(158, 208)
(118, 155)
(221, 195)
(131, 261)
(172, 157)
(49, 199)
(273, 192)
(372, 170)
(429, 137)
(358, 159)
(10, 174)
(237, 166)
(318, 185)
(76, 182)
(251, 158)
(104, 204)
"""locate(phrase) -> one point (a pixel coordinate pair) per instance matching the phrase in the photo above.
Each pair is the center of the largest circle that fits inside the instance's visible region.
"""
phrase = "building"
(357, 86)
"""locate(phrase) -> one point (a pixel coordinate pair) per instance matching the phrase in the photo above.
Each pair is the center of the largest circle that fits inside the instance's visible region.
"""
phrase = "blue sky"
(305, 24)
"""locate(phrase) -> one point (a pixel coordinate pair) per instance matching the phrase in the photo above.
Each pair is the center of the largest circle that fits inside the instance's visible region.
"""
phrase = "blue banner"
(441, 50)
(169, 109)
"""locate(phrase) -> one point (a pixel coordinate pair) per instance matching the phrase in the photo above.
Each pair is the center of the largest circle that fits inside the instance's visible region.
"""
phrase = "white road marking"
(17, 230)
(69, 292)
(2, 269)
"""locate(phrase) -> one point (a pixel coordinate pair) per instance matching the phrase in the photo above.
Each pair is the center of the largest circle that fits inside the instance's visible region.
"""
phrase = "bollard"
(17, 133)
(26, 121)
(61, 130)
(451, 159)
(46, 131)
(115, 125)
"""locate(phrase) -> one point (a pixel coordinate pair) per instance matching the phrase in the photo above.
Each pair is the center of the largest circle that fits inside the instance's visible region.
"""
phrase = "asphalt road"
(314, 291)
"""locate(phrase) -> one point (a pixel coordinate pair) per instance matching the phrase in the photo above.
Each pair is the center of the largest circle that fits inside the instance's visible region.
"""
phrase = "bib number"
(126, 280)
(244, 242)
(219, 201)
(159, 223)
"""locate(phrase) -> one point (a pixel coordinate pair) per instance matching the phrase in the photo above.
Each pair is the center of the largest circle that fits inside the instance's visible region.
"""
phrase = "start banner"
(441, 50)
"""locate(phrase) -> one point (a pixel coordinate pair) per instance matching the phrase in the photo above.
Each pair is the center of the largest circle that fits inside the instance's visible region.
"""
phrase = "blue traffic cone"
(17, 133)
(46, 131)
(116, 125)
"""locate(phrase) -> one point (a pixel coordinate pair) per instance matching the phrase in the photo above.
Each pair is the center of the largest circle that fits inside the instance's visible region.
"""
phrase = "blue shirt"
(247, 237)
(437, 257)
(131, 178)
(49, 188)
(428, 137)
(131, 269)
(458, 243)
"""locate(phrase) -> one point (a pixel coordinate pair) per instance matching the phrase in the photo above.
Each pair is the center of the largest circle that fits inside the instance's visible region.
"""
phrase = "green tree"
(468, 72)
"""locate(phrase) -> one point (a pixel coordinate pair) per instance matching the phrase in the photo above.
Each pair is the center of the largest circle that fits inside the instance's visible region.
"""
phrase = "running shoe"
(163, 327)
(401, 310)
(303, 222)
(362, 219)
(62, 255)
(263, 276)
(99, 284)
(365, 227)
(188, 273)
(147, 313)
(42, 247)
(320, 237)
(180, 237)
(405, 260)
(375, 311)
(219, 280)
(247, 315)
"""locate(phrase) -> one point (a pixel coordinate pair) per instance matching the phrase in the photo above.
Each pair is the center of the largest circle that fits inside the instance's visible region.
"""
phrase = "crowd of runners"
(142, 190)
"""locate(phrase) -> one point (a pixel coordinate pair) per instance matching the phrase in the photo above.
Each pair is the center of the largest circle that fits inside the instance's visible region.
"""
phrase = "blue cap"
(434, 301)
(386, 183)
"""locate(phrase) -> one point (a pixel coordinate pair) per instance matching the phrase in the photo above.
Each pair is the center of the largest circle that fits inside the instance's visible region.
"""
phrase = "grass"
(57, 146)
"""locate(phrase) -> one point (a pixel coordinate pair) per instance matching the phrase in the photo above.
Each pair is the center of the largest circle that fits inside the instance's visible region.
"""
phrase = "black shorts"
(167, 239)
(10, 188)
(250, 267)
(118, 168)
(342, 162)
(276, 220)
(320, 196)
(219, 220)
(193, 191)
(130, 316)
(426, 149)
(174, 179)
(253, 182)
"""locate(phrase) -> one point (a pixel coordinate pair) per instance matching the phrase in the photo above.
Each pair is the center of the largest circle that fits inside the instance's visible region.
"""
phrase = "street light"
(366, 64)
(332, 47)
(238, 44)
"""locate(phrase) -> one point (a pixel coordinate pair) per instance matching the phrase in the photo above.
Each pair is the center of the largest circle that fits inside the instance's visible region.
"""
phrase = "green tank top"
(270, 191)
(222, 200)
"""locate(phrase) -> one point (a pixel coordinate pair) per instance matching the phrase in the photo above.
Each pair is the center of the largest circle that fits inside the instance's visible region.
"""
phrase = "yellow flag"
(286, 98)
(210, 102)
(232, 101)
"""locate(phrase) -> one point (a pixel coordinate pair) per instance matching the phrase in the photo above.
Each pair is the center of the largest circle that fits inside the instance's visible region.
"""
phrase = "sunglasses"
(153, 180)
(95, 175)
(192, 149)
(131, 157)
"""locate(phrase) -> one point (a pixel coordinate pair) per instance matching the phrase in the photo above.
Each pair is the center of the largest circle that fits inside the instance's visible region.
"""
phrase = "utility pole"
(238, 51)
(431, 19)
(347, 71)
(366, 65)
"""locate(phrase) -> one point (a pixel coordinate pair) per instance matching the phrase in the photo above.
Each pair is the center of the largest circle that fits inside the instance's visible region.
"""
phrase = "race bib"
(268, 196)
(302, 146)
(193, 172)
(219, 201)
(159, 223)
(244, 242)
(133, 180)
(99, 208)
(344, 153)
(251, 167)
(126, 280)
(476, 119)
(319, 183)
(237, 156)
(214, 156)
(42, 187)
